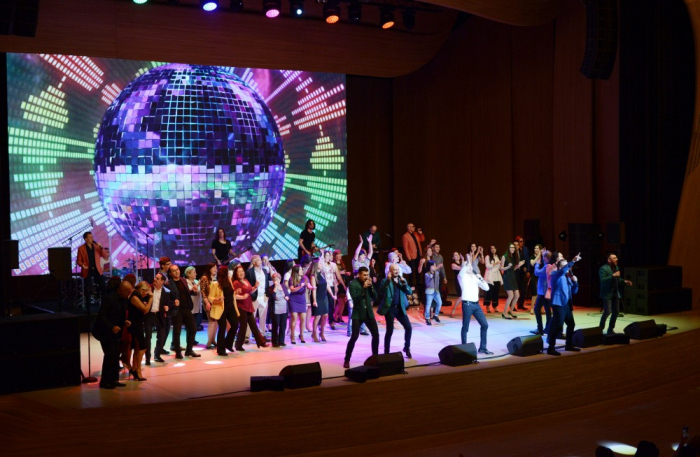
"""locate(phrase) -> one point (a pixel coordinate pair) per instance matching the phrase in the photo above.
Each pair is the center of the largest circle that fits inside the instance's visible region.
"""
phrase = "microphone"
(92, 222)
(389, 235)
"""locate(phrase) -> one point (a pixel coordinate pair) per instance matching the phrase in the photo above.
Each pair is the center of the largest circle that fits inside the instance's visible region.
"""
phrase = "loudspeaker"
(42, 351)
(588, 337)
(615, 338)
(10, 254)
(643, 330)
(458, 354)
(524, 346)
(362, 373)
(601, 39)
(261, 383)
(388, 364)
(59, 263)
(303, 375)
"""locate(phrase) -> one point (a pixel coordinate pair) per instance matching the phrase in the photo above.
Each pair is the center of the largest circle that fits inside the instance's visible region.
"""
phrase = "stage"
(211, 376)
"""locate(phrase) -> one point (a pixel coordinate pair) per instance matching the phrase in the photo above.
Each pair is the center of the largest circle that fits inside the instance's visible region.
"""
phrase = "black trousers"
(539, 303)
(414, 277)
(372, 326)
(521, 278)
(184, 316)
(491, 297)
(110, 362)
(561, 315)
(95, 285)
(156, 320)
(395, 313)
(279, 327)
(247, 319)
(223, 340)
(612, 305)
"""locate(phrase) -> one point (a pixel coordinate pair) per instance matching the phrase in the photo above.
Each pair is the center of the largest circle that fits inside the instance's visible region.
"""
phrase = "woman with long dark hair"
(221, 248)
(204, 285)
(319, 299)
(242, 290)
(139, 304)
(509, 263)
(297, 301)
(230, 314)
(494, 278)
(457, 261)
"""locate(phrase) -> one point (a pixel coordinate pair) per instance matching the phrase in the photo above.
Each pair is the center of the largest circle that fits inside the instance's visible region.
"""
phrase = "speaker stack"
(656, 290)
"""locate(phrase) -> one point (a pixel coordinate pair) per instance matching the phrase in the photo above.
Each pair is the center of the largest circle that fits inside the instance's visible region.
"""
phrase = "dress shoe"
(346, 364)
(552, 351)
(178, 355)
(485, 351)
(407, 351)
(240, 349)
(119, 384)
(196, 343)
(283, 344)
(365, 333)
(192, 354)
(158, 359)
(437, 319)
(107, 386)
(572, 349)
(504, 316)
(427, 322)
(222, 354)
(148, 362)
(164, 352)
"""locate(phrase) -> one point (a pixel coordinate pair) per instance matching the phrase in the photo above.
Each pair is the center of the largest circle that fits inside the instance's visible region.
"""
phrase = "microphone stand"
(154, 248)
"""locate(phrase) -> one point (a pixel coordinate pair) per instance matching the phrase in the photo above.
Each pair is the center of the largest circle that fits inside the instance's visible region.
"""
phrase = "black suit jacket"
(250, 276)
(181, 291)
(167, 298)
(112, 313)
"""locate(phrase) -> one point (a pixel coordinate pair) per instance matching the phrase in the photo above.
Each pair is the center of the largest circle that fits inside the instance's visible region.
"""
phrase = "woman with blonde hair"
(139, 304)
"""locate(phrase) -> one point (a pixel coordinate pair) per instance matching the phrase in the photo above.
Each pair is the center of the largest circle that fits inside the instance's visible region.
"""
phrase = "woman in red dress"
(243, 289)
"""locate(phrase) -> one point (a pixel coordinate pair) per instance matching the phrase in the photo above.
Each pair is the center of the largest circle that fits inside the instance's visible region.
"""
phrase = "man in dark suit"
(611, 285)
(182, 313)
(157, 316)
(394, 292)
(111, 319)
(563, 289)
(363, 296)
(522, 274)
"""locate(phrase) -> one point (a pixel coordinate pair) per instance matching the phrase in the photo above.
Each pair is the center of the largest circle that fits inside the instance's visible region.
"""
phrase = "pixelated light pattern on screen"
(174, 151)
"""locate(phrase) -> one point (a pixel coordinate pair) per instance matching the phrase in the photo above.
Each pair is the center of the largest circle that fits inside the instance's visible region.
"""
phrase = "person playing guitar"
(222, 250)
(307, 240)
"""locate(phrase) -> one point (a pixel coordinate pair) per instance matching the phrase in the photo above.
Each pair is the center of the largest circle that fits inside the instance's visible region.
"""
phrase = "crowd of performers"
(313, 293)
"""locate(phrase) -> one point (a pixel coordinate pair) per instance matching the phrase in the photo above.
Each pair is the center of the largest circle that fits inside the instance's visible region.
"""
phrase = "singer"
(611, 286)
(394, 293)
(88, 258)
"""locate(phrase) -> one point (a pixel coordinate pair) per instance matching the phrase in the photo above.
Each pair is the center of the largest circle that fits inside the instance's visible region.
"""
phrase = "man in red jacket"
(89, 255)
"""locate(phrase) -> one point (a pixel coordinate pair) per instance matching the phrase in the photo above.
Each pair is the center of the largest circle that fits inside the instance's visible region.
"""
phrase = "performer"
(221, 248)
(412, 250)
(242, 292)
(229, 314)
(522, 273)
(394, 291)
(611, 285)
(298, 284)
(361, 257)
(319, 299)
(139, 305)
(510, 263)
(257, 275)
(440, 262)
(88, 257)
(372, 244)
(494, 278)
(162, 301)
(208, 278)
(432, 293)
(542, 297)
(471, 282)
(279, 299)
(363, 295)
(194, 286)
(330, 271)
(534, 279)
(307, 240)
(457, 261)
(563, 288)
(395, 257)
(182, 314)
(111, 319)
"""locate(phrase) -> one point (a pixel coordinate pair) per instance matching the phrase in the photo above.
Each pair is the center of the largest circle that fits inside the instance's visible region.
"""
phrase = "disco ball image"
(185, 149)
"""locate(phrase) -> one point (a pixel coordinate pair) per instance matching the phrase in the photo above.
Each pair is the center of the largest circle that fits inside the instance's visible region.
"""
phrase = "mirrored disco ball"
(183, 150)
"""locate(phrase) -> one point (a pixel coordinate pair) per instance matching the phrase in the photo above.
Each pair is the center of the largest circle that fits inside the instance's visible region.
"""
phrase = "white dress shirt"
(471, 283)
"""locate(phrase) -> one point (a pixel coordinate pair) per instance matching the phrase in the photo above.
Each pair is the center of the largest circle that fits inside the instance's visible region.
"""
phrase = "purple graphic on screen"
(185, 149)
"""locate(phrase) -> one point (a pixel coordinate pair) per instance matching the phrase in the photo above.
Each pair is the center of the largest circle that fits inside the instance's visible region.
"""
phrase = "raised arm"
(358, 249)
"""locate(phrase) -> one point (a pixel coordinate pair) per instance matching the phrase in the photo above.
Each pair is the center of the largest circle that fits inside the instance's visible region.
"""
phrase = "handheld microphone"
(389, 235)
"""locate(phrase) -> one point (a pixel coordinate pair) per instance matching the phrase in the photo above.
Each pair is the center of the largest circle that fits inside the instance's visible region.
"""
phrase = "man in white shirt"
(156, 317)
(471, 282)
(256, 274)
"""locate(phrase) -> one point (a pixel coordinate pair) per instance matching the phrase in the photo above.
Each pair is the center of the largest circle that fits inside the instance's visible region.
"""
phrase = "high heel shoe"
(512, 316)
(262, 343)
(323, 337)
(315, 338)
(301, 339)
(504, 316)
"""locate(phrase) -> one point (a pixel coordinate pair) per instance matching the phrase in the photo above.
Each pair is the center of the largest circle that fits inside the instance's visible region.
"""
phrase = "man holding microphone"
(394, 291)
(89, 255)
(471, 282)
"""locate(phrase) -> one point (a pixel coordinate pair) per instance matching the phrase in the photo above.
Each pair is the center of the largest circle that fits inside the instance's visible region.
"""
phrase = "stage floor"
(212, 376)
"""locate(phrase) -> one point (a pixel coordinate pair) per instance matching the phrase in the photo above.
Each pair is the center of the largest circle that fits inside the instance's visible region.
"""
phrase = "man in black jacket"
(111, 319)
(163, 299)
(257, 275)
(182, 313)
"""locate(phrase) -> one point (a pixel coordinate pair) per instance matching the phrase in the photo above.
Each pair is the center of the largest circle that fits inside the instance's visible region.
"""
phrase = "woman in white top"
(493, 277)
(330, 271)
(193, 285)
(477, 256)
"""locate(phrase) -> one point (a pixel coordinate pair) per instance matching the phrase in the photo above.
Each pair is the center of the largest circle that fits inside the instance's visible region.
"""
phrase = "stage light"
(563, 236)
(209, 5)
(409, 19)
(331, 12)
(355, 12)
(272, 8)
(140, 2)
(296, 7)
(386, 17)
(236, 5)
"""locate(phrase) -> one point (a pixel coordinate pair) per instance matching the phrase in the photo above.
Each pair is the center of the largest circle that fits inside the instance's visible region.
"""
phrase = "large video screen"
(154, 157)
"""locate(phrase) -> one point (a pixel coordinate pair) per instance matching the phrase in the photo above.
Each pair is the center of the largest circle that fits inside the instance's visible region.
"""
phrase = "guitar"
(236, 255)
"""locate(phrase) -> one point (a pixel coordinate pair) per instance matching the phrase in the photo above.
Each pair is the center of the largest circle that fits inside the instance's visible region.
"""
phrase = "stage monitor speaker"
(362, 373)
(458, 355)
(262, 383)
(615, 338)
(601, 39)
(40, 351)
(302, 375)
(388, 364)
(10, 254)
(643, 330)
(524, 346)
(588, 337)
(60, 263)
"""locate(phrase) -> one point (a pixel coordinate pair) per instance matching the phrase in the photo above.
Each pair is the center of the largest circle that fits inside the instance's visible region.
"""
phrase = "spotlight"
(331, 12)
(140, 2)
(236, 5)
(272, 8)
(355, 11)
(386, 17)
(563, 236)
(209, 5)
(409, 19)
(296, 7)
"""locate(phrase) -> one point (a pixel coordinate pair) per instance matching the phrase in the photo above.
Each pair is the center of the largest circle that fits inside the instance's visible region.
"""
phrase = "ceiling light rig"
(272, 8)
(331, 12)
(386, 17)
(209, 5)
